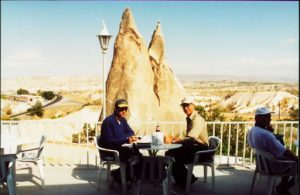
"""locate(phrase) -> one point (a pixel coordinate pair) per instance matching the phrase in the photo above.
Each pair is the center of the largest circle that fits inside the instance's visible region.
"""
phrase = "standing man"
(115, 132)
(195, 139)
(261, 137)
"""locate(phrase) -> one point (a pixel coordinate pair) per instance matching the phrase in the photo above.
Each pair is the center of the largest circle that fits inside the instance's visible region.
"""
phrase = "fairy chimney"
(142, 76)
(168, 90)
(130, 75)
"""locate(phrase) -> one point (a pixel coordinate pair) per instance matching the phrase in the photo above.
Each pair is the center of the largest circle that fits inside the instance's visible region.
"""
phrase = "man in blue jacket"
(115, 132)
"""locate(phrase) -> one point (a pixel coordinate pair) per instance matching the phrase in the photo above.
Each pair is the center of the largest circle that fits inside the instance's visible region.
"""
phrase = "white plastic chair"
(109, 160)
(264, 161)
(7, 173)
(214, 143)
(155, 169)
(34, 155)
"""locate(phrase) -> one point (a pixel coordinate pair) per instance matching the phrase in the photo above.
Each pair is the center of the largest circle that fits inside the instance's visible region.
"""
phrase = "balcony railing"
(77, 136)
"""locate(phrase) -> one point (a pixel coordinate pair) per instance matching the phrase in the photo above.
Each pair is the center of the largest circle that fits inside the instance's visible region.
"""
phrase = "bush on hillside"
(36, 109)
(81, 137)
(48, 95)
(22, 91)
(294, 114)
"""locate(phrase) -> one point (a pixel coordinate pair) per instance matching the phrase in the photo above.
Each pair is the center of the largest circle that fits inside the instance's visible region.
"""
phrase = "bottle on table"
(157, 129)
(157, 136)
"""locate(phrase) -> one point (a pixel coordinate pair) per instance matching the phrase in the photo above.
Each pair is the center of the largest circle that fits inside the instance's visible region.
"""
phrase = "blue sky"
(58, 38)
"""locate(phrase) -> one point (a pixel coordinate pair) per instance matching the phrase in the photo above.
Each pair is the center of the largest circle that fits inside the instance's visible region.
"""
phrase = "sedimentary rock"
(142, 77)
(167, 88)
(131, 75)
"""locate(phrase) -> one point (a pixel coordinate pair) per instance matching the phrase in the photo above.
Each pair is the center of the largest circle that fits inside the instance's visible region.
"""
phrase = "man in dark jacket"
(115, 132)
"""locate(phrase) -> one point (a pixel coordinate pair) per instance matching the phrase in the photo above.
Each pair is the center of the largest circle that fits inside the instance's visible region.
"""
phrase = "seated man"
(261, 137)
(115, 132)
(195, 139)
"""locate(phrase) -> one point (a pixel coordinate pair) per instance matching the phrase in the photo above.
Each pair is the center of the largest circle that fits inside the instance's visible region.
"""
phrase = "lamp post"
(104, 38)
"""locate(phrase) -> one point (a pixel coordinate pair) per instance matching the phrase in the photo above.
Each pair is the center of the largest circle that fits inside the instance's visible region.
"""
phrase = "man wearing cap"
(115, 132)
(195, 139)
(261, 137)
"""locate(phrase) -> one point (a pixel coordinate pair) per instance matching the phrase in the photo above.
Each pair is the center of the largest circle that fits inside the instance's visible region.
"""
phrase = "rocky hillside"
(246, 102)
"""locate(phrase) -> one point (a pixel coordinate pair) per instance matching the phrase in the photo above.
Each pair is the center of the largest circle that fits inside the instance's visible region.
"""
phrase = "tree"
(36, 109)
(294, 114)
(215, 114)
(22, 91)
(48, 95)
(201, 111)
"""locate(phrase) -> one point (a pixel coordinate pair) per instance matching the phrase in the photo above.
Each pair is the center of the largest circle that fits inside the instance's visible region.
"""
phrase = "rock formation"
(142, 77)
(167, 88)
(131, 76)
(247, 102)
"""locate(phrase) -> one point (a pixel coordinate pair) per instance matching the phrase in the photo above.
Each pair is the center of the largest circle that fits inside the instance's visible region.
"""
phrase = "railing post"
(221, 145)
(244, 144)
(237, 143)
(228, 145)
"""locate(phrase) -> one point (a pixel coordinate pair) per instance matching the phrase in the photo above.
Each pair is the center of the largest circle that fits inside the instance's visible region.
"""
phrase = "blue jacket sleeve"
(128, 131)
(114, 135)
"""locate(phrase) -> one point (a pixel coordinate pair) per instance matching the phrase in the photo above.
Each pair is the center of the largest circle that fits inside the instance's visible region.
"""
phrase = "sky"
(58, 38)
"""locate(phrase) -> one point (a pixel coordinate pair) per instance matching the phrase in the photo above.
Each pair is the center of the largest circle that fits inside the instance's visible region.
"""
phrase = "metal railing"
(234, 148)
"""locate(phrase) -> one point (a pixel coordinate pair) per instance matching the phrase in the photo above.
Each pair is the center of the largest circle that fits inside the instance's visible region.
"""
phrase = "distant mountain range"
(210, 77)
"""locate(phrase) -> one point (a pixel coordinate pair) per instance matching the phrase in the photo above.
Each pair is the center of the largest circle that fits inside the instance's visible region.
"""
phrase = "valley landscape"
(82, 97)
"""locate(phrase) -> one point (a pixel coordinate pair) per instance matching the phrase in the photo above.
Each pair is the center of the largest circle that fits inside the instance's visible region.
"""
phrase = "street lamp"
(104, 38)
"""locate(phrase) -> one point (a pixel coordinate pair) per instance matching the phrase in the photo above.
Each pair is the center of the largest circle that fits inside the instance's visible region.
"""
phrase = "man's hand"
(176, 139)
(168, 139)
(132, 139)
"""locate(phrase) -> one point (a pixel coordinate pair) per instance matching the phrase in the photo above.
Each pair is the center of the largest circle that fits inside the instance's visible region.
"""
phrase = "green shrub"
(36, 109)
(22, 91)
(48, 95)
(81, 137)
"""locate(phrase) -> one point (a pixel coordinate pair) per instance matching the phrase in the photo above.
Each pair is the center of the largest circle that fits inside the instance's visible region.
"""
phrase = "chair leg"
(253, 182)
(190, 168)
(108, 172)
(123, 177)
(136, 188)
(99, 177)
(10, 185)
(41, 169)
(167, 185)
(10, 181)
(271, 181)
(213, 176)
(205, 173)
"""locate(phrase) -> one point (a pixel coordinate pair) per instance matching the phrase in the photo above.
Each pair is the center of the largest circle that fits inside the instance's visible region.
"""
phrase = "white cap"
(262, 111)
(187, 100)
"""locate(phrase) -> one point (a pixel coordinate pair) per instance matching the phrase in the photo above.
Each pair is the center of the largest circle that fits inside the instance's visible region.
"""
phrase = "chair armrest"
(202, 152)
(27, 150)
(114, 152)
(291, 163)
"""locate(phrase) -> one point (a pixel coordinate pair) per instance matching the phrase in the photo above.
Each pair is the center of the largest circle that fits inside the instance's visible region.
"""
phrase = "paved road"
(57, 99)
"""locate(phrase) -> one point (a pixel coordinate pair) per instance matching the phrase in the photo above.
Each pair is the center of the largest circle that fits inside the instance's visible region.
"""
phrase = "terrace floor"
(76, 180)
(63, 177)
